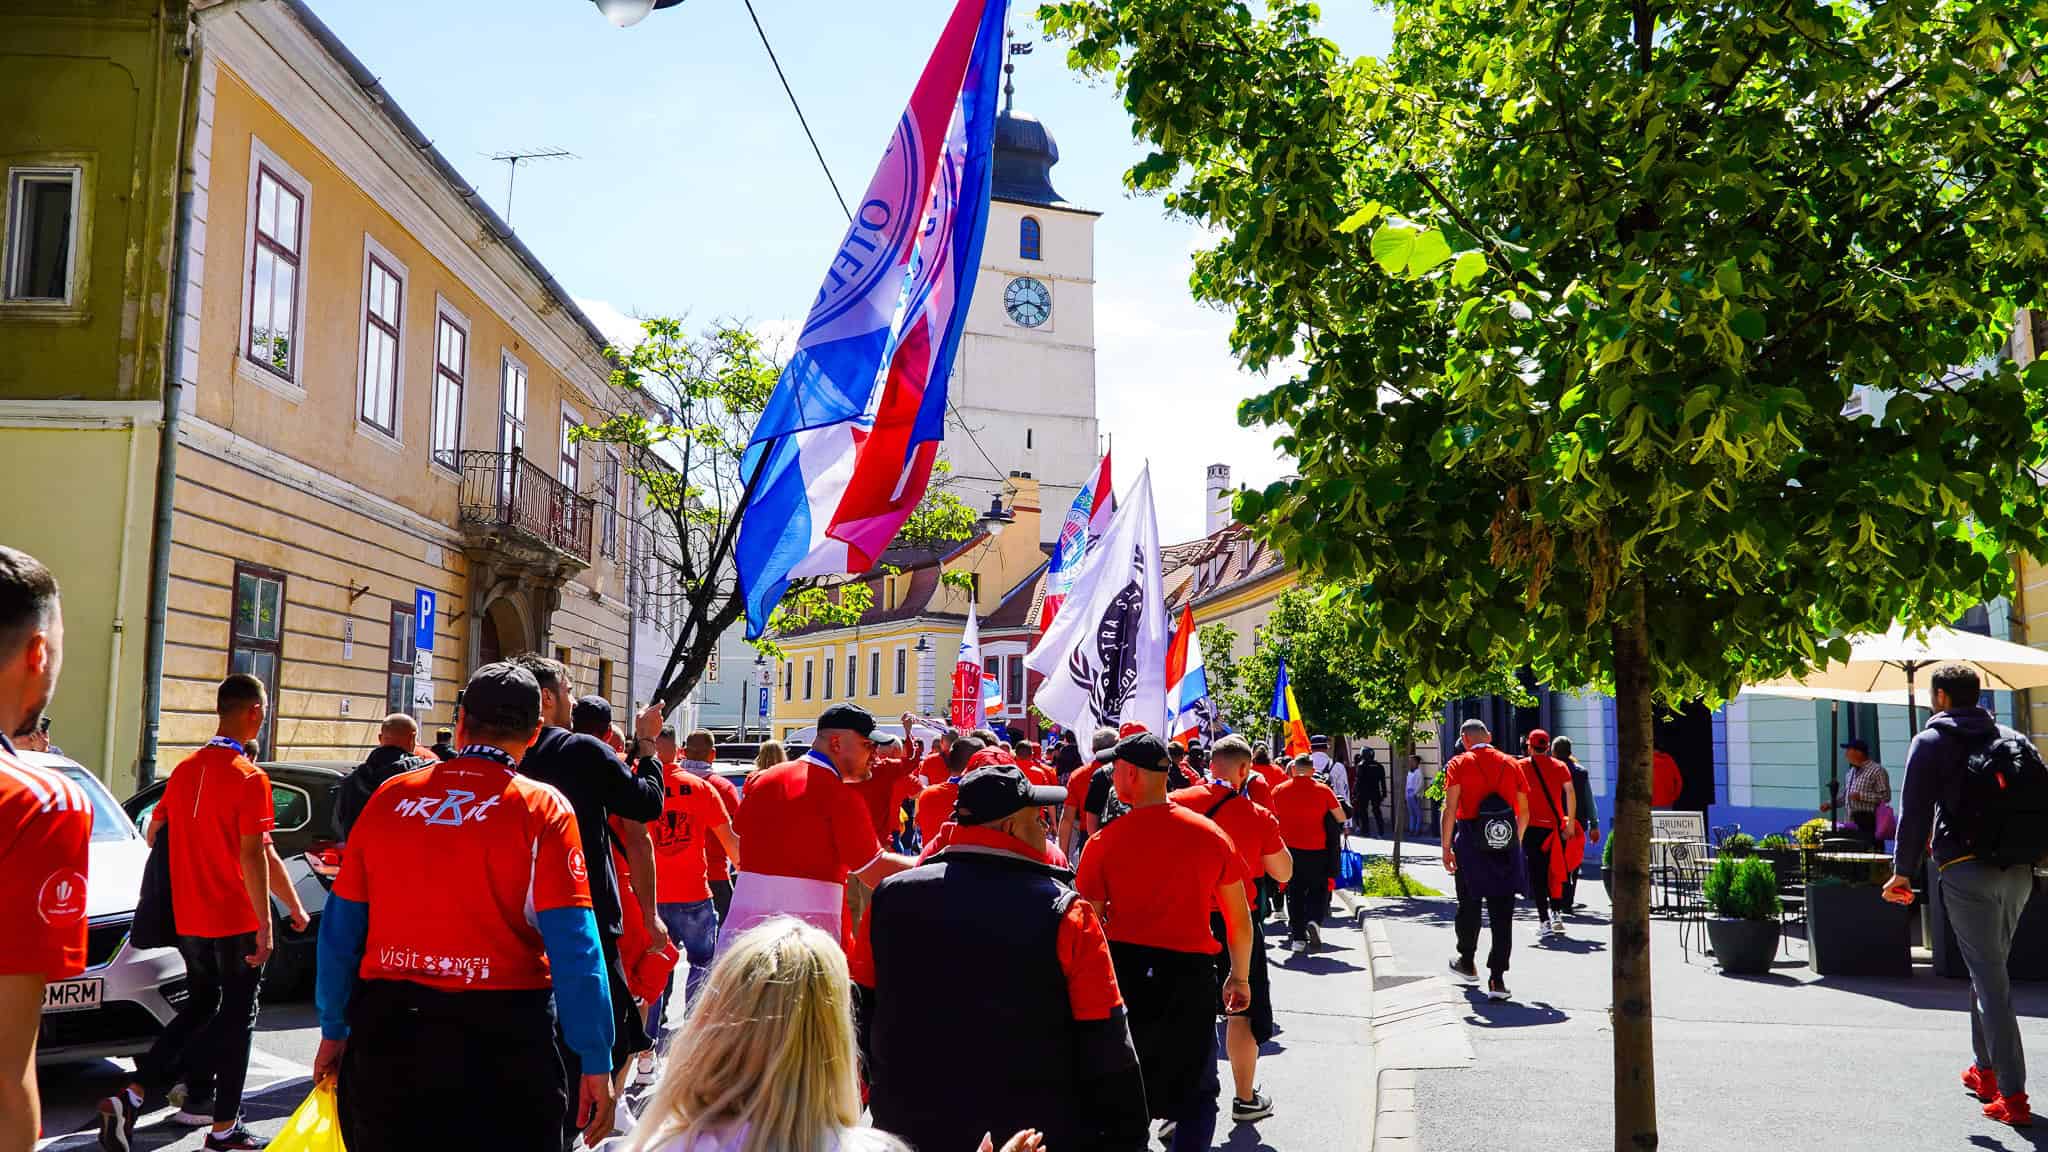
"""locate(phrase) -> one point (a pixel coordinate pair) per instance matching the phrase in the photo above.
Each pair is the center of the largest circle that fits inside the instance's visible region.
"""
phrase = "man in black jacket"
(988, 933)
(1984, 897)
(599, 786)
(393, 756)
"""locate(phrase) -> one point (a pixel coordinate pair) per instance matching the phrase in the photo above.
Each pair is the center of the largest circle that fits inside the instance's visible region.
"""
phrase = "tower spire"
(1012, 50)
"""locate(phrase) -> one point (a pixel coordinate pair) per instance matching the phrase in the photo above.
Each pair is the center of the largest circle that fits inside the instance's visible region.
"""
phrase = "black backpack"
(2002, 802)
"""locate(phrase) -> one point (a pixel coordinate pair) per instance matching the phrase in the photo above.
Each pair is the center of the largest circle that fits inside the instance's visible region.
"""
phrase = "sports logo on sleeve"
(577, 870)
(62, 897)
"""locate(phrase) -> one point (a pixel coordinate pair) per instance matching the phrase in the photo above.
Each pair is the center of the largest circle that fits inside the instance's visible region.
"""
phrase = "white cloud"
(1167, 390)
(622, 330)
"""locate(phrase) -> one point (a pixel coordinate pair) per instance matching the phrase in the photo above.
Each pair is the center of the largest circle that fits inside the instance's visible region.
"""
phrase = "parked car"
(126, 995)
(742, 752)
(302, 798)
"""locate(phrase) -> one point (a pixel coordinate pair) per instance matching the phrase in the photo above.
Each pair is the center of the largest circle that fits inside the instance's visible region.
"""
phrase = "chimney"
(1218, 491)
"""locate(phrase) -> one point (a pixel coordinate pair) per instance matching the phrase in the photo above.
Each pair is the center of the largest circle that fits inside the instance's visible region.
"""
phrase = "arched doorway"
(502, 634)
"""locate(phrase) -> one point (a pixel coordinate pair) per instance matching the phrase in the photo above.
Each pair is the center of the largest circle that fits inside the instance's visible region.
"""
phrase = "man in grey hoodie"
(1984, 900)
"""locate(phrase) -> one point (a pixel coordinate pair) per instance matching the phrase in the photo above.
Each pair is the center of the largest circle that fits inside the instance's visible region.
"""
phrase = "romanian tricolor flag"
(1288, 713)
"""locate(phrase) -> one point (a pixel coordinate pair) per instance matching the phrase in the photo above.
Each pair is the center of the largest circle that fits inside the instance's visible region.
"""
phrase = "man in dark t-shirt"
(599, 786)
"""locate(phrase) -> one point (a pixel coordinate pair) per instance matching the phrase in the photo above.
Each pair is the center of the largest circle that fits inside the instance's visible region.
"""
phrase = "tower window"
(1027, 238)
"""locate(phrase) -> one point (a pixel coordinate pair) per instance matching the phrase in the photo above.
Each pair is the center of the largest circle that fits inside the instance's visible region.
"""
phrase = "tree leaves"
(1406, 249)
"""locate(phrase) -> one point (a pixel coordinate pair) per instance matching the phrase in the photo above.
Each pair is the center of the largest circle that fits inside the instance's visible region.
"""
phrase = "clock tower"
(1023, 391)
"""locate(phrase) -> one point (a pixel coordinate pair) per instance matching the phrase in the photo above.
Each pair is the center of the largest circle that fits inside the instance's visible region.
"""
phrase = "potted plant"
(1850, 929)
(1742, 894)
(1783, 855)
(1738, 845)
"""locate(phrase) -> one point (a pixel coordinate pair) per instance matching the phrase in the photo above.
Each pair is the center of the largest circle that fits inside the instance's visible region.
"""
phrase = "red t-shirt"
(691, 815)
(1253, 829)
(1272, 774)
(453, 860)
(885, 790)
(1666, 781)
(800, 819)
(45, 834)
(1083, 949)
(932, 769)
(1537, 771)
(1299, 802)
(1153, 875)
(717, 865)
(935, 808)
(1480, 772)
(215, 797)
(1258, 790)
(1077, 786)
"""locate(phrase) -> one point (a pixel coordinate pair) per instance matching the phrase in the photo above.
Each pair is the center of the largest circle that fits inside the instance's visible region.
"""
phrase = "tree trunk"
(1635, 1075)
(1397, 785)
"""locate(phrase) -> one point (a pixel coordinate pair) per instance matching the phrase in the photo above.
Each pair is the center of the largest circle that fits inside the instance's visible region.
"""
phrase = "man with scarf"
(1553, 820)
(1486, 814)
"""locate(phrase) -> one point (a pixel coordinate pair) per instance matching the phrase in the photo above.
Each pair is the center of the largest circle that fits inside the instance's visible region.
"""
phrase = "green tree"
(1234, 704)
(692, 404)
(1580, 291)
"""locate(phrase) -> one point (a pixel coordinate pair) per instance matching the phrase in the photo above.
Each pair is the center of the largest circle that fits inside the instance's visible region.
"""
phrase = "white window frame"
(290, 387)
(611, 475)
(443, 310)
(17, 176)
(567, 449)
(393, 265)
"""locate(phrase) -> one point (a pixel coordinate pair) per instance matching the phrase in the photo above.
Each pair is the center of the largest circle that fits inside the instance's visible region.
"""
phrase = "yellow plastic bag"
(315, 1127)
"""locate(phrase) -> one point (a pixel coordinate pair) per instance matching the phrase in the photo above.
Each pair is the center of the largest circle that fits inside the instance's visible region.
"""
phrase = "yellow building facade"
(901, 655)
(380, 408)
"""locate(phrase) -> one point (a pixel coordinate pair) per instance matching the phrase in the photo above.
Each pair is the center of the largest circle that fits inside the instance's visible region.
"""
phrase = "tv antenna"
(512, 160)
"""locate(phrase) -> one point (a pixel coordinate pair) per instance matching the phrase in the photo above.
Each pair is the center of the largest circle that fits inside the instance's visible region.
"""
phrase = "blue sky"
(695, 193)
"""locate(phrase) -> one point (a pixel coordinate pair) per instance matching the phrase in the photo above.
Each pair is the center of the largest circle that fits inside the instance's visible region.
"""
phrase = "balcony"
(511, 504)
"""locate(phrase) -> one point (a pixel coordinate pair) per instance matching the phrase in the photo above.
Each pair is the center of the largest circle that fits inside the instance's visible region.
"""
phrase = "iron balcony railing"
(508, 492)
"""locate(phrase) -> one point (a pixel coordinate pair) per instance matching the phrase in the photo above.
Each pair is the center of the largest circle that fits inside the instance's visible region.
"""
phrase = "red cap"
(1132, 728)
(989, 758)
(1539, 740)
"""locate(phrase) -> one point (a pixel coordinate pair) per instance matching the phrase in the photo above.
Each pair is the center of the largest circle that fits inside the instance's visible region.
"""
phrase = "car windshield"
(108, 821)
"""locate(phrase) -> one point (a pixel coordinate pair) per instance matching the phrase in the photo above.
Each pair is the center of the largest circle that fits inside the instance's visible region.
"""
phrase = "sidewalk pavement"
(1786, 1060)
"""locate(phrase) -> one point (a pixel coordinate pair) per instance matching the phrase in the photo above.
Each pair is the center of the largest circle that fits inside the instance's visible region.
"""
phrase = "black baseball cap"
(1319, 741)
(998, 792)
(848, 717)
(502, 696)
(1859, 744)
(1142, 749)
(591, 714)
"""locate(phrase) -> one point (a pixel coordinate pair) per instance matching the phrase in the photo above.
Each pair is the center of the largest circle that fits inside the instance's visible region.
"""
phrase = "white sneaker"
(645, 1070)
(188, 1118)
(1556, 924)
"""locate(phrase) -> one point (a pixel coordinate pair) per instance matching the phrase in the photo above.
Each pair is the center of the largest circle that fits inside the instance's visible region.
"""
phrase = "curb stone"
(1416, 1023)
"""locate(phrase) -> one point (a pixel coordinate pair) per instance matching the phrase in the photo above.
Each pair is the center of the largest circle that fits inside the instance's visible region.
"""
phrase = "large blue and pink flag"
(1086, 521)
(844, 448)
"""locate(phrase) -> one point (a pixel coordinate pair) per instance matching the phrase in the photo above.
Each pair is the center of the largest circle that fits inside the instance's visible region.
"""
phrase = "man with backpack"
(1979, 790)
(1486, 815)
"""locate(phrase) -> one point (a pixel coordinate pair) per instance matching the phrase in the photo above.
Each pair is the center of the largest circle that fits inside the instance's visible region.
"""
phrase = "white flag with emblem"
(1104, 659)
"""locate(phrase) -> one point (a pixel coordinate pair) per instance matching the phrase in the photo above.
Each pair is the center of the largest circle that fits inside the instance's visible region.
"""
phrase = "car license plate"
(73, 995)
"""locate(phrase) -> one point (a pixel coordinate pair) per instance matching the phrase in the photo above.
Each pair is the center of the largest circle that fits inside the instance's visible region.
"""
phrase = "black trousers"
(429, 1068)
(1308, 893)
(208, 1043)
(1500, 917)
(721, 896)
(1537, 844)
(1369, 814)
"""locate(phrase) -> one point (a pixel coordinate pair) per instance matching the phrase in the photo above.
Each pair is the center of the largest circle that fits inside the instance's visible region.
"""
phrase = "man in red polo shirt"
(460, 930)
(45, 831)
(892, 779)
(1226, 798)
(1552, 808)
(698, 756)
(935, 804)
(805, 832)
(1076, 825)
(1309, 812)
(217, 811)
(1153, 874)
(1486, 816)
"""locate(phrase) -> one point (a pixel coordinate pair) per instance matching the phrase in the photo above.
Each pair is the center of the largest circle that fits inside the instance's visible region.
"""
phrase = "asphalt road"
(1318, 1069)
(280, 1070)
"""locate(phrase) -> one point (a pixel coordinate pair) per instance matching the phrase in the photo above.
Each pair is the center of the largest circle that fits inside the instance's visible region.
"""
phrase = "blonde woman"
(770, 755)
(767, 1061)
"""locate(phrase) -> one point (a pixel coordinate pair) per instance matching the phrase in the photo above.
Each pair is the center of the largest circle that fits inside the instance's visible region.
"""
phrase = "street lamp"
(996, 518)
(626, 13)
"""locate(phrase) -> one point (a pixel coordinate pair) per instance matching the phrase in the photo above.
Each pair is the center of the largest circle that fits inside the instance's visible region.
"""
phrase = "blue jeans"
(693, 926)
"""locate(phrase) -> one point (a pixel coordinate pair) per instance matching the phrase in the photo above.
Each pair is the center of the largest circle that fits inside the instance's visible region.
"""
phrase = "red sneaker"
(2011, 1110)
(1981, 1083)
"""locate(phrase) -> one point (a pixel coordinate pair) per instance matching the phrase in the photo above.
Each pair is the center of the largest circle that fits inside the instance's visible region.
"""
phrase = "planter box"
(1851, 931)
(2029, 958)
(1743, 947)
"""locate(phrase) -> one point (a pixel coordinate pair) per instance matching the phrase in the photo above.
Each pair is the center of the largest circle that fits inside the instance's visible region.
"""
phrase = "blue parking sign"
(423, 619)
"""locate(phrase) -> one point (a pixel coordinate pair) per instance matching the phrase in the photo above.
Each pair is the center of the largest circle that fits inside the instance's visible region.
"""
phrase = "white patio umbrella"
(1883, 666)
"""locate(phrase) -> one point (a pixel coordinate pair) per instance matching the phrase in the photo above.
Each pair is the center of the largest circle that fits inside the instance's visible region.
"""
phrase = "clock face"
(1028, 302)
